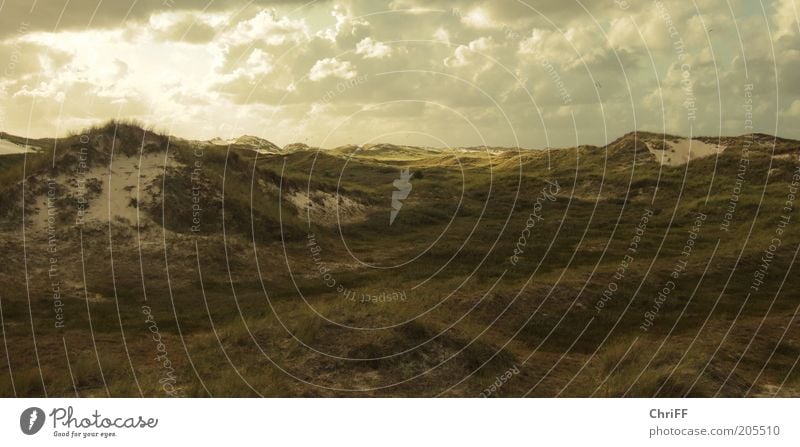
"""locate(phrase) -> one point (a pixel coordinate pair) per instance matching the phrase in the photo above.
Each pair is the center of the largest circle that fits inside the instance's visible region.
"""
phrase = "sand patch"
(790, 157)
(682, 151)
(10, 148)
(323, 207)
(123, 186)
(127, 184)
(260, 145)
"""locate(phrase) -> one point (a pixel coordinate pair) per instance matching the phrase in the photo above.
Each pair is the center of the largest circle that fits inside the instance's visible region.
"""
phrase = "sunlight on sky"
(290, 71)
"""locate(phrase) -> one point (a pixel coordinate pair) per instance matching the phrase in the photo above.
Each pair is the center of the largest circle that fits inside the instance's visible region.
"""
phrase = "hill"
(142, 264)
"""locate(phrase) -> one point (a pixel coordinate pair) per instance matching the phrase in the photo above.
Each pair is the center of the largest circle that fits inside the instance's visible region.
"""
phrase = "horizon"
(435, 74)
(155, 130)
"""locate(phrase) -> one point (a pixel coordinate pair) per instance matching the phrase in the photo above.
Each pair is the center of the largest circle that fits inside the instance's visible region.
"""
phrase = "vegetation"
(267, 297)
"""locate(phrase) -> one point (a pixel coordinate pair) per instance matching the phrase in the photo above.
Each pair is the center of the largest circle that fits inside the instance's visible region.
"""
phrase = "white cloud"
(478, 18)
(257, 64)
(464, 54)
(441, 35)
(786, 18)
(373, 50)
(268, 28)
(192, 66)
(332, 67)
(346, 25)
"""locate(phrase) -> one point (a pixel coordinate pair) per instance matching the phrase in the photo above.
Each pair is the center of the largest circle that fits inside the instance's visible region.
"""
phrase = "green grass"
(226, 335)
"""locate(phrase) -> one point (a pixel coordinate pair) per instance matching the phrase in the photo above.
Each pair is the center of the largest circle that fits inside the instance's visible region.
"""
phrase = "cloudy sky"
(533, 73)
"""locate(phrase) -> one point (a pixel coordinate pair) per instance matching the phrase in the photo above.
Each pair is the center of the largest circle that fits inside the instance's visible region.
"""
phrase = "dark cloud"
(617, 62)
(189, 30)
(59, 15)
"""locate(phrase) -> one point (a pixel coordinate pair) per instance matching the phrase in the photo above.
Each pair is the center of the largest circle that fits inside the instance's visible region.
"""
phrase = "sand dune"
(8, 148)
(682, 151)
(129, 181)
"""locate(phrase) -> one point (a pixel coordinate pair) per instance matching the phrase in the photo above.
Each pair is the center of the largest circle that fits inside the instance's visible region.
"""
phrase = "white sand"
(263, 147)
(127, 179)
(682, 151)
(221, 142)
(323, 207)
(8, 148)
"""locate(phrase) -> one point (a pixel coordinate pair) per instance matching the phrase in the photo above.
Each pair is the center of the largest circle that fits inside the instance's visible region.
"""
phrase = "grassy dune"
(263, 300)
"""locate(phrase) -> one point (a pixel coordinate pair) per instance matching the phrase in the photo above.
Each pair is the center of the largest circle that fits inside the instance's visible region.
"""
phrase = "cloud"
(511, 68)
(373, 50)
(268, 28)
(465, 54)
(478, 18)
(331, 67)
(186, 27)
(63, 15)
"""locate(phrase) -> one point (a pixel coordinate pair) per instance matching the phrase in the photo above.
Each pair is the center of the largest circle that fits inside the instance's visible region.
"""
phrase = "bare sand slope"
(681, 151)
(122, 186)
(9, 148)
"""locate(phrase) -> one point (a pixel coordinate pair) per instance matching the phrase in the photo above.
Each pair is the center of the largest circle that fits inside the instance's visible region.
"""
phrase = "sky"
(514, 73)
